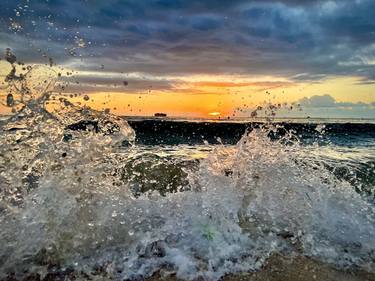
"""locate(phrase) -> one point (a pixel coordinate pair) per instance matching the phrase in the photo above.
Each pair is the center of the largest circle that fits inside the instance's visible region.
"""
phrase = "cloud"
(262, 84)
(308, 77)
(318, 101)
(318, 106)
(114, 83)
(301, 40)
(327, 101)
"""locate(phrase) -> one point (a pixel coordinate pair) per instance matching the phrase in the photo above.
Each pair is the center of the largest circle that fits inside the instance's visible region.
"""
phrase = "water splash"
(36, 141)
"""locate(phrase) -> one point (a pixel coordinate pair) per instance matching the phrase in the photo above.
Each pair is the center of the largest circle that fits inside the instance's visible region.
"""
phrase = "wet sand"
(278, 268)
(281, 268)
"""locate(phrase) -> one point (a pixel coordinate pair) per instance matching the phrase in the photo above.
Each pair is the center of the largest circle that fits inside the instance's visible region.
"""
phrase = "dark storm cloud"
(89, 82)
(302, 40)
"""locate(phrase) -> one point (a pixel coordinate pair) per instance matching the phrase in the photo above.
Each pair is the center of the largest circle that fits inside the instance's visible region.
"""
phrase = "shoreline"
(276, 268)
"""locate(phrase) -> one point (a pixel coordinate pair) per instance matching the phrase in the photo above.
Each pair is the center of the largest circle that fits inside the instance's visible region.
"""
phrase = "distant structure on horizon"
(160, 114)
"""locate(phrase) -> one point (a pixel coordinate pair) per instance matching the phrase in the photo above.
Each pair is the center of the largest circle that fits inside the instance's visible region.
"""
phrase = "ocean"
(191, 198)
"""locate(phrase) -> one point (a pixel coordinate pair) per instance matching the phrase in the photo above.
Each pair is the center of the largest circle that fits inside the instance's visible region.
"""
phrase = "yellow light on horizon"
(214, 113)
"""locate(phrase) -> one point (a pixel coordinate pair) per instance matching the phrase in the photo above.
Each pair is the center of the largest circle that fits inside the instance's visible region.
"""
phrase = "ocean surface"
(87, 191)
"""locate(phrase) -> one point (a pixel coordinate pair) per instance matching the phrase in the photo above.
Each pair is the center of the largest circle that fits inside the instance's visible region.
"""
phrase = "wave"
(156, 132)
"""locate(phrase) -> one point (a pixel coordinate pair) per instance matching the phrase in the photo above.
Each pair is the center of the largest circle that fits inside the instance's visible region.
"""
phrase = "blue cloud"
(303, 40)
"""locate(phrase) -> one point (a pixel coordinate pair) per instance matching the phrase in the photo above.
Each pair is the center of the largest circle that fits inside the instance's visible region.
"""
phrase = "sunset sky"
(202, 58)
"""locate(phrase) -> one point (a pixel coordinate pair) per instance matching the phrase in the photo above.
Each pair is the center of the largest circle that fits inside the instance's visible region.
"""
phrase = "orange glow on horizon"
(210, 95)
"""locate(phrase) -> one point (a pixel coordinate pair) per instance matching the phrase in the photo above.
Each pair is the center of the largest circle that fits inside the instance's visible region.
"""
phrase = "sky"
(202, 58)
